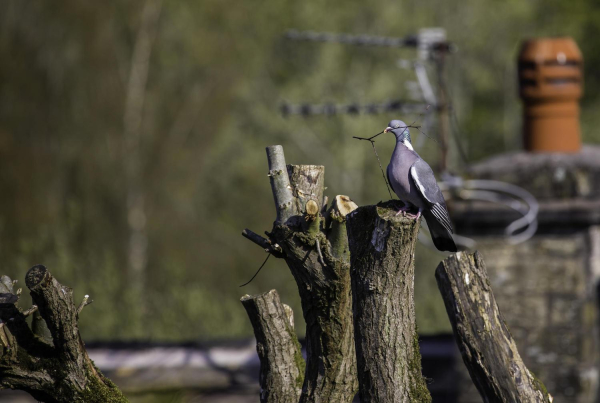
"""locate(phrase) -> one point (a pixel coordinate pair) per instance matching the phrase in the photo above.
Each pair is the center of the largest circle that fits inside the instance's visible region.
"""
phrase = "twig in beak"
(372, 137)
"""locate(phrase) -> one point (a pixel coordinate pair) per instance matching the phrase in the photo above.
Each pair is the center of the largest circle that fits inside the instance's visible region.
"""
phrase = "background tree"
(215, 78)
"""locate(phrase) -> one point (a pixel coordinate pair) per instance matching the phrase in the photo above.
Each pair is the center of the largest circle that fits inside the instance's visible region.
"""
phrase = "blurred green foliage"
(217, 74)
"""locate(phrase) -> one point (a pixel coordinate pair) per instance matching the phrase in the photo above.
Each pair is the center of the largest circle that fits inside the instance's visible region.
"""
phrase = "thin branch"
(257, 239)
(257, 271)
(381, 168)
(319, 251)
(383, 131)
(378, 160)
(264, 243)
(86, 301)
(30, 310)
(324, 205)
(368, 138)
(280, 184)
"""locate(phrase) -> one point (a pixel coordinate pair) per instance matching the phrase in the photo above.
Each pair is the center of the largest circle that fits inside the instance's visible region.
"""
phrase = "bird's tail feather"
(442, 238)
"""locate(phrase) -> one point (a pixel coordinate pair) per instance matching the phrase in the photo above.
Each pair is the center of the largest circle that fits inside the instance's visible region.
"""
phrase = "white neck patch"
(408, 145)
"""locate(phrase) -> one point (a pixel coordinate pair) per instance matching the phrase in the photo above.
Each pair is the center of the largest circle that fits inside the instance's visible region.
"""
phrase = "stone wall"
(546, 287)
(544, 291)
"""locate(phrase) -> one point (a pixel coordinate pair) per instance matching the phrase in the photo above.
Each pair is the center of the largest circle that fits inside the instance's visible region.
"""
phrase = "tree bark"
(281, 363)
(308, 183)
(323, 279)
(54, 368)
(486, 345)
(280, 184)
(382, 247)
(340, 207)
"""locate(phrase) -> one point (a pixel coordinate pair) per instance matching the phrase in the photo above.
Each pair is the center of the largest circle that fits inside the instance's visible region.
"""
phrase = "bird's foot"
(403, 210)
(415, 216)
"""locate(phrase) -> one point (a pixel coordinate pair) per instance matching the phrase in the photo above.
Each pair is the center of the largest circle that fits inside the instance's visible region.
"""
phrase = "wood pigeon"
(414, 183)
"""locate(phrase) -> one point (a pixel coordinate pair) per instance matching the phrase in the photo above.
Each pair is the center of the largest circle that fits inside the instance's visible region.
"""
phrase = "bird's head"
(400, 130)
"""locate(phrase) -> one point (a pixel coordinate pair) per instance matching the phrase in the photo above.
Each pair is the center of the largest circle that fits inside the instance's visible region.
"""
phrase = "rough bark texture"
(327, 307)
(52, 369)
(340, 208)
(324, 286)
(382, 259)
(281, 363)
(308, 183)
(486, 345)
(323, 280)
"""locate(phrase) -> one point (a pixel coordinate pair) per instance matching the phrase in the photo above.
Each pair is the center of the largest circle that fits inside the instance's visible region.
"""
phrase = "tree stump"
(281, 363)
(382, 247)
(487, 347)
(312, 246)
(50, 362)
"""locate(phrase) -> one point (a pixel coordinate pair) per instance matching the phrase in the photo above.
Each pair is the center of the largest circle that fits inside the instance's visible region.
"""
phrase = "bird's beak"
(387, 129)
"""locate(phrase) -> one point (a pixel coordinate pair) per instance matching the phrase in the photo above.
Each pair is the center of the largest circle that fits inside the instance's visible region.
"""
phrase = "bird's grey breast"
(399, 174)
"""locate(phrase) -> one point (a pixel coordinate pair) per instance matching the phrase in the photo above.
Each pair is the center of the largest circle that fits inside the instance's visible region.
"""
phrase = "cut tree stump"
(487, 347)
(314, 250)
(281, 363)
(49, 361)
(382, 247)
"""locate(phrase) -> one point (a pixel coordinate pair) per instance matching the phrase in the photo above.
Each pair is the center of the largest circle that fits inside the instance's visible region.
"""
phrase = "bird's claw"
(414, 216)
(403, 210)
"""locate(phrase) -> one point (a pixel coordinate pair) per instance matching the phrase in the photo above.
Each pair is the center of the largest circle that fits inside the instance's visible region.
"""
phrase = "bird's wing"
(425, 182)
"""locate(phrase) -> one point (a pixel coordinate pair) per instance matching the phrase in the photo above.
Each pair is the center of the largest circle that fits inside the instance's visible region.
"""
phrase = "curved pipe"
(498, 192)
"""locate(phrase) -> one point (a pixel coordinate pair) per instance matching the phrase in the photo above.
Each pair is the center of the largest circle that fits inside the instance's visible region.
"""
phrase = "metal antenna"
(433, 47)
(427, 41)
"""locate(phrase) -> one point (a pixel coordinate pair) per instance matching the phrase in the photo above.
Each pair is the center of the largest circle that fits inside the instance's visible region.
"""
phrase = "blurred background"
(132, 138)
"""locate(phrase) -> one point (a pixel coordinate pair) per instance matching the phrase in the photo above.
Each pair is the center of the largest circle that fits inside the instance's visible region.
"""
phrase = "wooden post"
(486, 345)
(382, 247)
(281, 363)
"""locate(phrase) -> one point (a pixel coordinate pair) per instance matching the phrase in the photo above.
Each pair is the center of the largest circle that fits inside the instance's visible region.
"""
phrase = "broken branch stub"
(264, 243)
(312, 209)
(280, 184)
(313, 221)
(487, 347)
(281, 363)
(382, 249)
(308, 183)
(340, 208)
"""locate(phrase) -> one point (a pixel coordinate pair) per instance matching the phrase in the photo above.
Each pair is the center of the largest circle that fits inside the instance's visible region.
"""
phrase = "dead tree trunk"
(486, 345)
(281, 363)
(382, 249)
(50, 362)
(321, 270)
